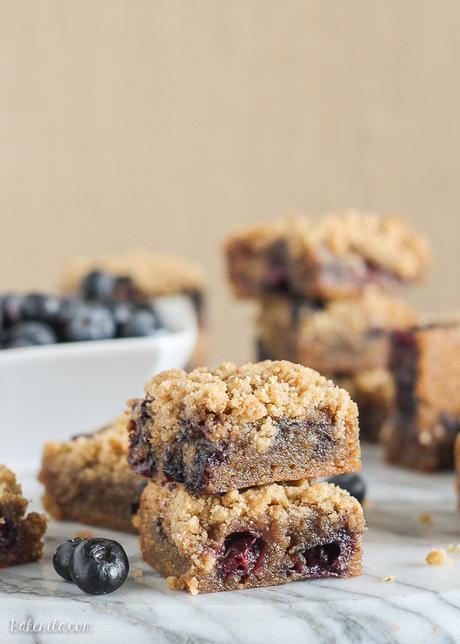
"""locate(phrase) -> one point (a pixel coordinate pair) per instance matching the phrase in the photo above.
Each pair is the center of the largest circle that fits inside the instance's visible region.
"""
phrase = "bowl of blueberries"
(68, 363)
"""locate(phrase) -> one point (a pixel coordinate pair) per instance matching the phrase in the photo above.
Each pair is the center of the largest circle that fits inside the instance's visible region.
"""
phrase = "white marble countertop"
(421, 605)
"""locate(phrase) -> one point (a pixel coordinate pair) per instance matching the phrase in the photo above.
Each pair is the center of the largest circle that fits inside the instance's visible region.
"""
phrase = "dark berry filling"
(141, 456)
(191, 458)
(404, 362)
(324, 559)
(277, 275)
(242, 555)
(8, 534)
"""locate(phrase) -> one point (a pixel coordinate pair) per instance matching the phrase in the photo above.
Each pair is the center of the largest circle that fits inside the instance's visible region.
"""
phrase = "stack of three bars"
(231, 455)
(323, 289)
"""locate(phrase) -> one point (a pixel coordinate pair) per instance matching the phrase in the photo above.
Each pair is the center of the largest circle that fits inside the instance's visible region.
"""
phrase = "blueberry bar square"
(236, 427)
(21, 536)
(263, 536)
(335, 256)
(88, 479)
(426, 367)
(338, 336)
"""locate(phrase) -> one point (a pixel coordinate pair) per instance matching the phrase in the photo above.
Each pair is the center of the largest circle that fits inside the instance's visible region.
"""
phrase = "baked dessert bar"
(373, 392)
(344, 336)
(88, 479)
(235, 427)
(263, 536)
(335, 256)
(148, 275)
(426, 368)
(21, 536)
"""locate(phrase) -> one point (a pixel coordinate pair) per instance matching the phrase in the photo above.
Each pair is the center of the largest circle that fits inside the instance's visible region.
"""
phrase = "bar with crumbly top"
(21, 536)
(263, 536)
(235, 427)
(426, 368)
(88, 479)
(339, 336)
(334, 256)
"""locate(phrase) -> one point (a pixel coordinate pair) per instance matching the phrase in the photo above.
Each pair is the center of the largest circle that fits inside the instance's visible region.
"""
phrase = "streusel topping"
(11, 499)
(233, 399)
(383, 241)
(196, 523)
(153, 274)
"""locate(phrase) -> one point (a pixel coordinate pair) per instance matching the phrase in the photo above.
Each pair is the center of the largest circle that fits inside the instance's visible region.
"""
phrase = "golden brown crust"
(194, 529)
(88, 479)
(153, 273)
(27, 545)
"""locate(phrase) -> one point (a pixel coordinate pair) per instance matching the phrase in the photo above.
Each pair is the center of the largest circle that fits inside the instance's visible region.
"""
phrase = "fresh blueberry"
(10, 309)
(352, 483)
(89, 322)
(63, 556)
(27, 334)
(99, 566)
(121, 312)
(97, 285)
(41, 308)
(141, 323)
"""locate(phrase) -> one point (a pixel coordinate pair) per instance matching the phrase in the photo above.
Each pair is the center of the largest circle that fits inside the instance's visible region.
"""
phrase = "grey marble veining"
(421, 605)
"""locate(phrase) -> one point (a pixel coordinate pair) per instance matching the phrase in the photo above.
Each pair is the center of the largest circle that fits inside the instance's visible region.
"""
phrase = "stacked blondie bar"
(230, 455)
(325, 289)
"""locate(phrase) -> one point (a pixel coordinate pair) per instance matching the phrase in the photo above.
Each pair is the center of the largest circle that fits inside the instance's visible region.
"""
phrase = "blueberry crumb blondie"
(263, 536)
(457, 466)
(336, 336)
(334, 256)
(21, 536)
(235, 427)
(426, 367)
(88, 479)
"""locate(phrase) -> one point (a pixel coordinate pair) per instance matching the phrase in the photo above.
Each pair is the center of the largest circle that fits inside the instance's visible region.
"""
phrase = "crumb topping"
(196, 524)
(102, 454)
(154, 274)
(437, 558)
(11, 500)
(382, 241)
(231, 400)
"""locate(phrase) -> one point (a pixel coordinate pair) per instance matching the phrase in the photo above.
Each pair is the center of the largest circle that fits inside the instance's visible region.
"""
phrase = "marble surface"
(421, 605)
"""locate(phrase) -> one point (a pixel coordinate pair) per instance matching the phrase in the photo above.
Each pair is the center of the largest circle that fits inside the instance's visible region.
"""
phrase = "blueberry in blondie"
(21, 536)
(236, 427)
(88, 479)
(335, 256)
(426, 367)
(262, 536)
(337, 336)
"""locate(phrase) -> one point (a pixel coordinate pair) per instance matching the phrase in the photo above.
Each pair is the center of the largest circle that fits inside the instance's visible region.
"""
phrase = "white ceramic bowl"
(53, 392)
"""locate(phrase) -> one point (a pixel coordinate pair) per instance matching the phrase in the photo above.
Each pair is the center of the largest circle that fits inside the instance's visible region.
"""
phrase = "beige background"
(169, 123)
